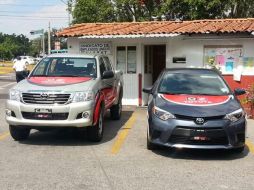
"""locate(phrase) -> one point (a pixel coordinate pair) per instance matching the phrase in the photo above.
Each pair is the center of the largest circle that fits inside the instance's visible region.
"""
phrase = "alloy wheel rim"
(100, 124)
(120, 108)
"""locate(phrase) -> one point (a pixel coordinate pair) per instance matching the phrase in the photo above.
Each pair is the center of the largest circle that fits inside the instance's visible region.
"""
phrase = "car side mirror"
(108, 74)
(239, 91)
(26, 73)
(148, 90)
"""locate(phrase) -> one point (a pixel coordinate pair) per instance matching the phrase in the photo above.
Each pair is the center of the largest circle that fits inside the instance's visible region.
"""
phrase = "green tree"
(12, 45)
(240, 9)
(195, 9)
(93, 11)
(145, 10)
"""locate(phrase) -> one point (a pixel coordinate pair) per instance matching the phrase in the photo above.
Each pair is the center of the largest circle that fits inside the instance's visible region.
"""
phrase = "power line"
(57, 17)
(27, 12)
(26, 5)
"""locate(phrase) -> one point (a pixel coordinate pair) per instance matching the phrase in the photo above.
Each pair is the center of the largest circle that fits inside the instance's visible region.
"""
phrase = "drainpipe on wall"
(140, 89)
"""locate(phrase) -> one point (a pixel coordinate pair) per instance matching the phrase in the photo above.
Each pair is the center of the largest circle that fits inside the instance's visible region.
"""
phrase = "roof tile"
(160, 27)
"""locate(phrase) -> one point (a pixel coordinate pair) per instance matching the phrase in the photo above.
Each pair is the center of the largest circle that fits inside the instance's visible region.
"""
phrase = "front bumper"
(22, 114)
(213, 134)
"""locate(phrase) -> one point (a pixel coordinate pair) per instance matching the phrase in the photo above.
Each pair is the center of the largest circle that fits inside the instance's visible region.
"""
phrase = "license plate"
(198, 138)
(43, 113)
(42, 110)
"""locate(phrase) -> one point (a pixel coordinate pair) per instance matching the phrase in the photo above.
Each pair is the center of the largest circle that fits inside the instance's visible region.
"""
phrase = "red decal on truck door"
(98, 100)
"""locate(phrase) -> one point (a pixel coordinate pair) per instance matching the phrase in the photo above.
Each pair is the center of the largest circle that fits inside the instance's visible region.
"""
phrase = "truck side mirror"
(108, 74)
(148, 90)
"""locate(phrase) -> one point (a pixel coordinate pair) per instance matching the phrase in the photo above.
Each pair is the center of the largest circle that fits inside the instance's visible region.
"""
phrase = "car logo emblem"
(44, 96)
(191, 98)
(200, 121)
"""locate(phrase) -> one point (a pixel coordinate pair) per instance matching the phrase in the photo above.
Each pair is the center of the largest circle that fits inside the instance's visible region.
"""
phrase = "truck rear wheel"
(19, 133)
(95, 133)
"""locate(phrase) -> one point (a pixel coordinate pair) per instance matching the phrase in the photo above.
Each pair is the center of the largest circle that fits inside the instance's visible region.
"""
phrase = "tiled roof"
(159, 28)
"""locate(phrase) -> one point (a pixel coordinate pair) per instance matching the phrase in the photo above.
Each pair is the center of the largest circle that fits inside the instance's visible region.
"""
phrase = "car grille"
(52, 116)
(214, 136)
(38, 98)
(184, 117)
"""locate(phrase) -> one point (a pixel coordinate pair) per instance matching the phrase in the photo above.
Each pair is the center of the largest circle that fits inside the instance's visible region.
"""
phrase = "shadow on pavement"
(75, 137)
(198, 154)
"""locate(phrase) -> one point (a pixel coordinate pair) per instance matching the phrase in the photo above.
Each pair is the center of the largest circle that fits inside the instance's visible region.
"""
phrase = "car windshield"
(194, 84)
(66, 67)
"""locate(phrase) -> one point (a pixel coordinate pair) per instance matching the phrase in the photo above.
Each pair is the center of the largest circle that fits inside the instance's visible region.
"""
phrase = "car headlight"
(162, 114)
(83, 96)
(14, 95)
(236, 115)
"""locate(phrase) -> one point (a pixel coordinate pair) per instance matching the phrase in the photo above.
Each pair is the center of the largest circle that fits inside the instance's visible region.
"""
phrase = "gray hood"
(26, 86)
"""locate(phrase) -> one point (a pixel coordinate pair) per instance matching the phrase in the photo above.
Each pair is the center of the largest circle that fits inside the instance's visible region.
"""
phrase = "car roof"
(191, 70)
(70, 55)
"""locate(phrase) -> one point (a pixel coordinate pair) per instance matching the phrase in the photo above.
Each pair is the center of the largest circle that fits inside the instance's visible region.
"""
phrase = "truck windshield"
(194, 84)
(66, 67)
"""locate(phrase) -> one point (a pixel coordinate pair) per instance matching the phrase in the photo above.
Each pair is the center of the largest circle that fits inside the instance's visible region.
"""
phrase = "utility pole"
(69, 4)
(41, 32)
(43, 43)
(49, 40)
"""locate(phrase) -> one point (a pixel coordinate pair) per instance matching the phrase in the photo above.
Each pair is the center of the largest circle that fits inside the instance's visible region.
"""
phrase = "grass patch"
(6, 67)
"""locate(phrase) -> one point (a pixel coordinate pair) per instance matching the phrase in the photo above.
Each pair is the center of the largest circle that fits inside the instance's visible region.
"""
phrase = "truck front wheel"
(18, 133)
(116, 110)
(95, 133)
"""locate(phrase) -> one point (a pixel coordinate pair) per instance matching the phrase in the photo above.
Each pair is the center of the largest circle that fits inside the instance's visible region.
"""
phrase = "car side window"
(108, 64)
(102, 66)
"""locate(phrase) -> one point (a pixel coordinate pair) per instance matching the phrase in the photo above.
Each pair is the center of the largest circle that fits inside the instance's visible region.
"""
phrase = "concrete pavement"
(63, 159)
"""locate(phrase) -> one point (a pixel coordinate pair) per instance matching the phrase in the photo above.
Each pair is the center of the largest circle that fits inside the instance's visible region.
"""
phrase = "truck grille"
(44, 98)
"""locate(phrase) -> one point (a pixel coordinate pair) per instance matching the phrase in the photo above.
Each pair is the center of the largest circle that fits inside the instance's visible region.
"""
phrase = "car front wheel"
(19, 133)
(238, 150)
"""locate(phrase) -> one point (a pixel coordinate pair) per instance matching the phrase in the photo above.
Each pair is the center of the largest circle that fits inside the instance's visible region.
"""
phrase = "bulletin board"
(226, 58)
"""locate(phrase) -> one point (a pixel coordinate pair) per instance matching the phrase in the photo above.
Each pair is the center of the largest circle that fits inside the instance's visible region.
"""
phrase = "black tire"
(116, 110)
(19, 133)
(238, 150)
(151, 146)
(95, 133)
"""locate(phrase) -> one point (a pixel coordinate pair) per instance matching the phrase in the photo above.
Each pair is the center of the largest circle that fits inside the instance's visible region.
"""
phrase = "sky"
(23, 16)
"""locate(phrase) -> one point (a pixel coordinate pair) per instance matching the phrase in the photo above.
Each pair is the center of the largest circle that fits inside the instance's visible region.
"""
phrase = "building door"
(154, 63)
(159, 60)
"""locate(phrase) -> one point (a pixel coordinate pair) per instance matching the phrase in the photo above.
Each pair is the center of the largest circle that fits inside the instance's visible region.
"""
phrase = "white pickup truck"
(66, 90)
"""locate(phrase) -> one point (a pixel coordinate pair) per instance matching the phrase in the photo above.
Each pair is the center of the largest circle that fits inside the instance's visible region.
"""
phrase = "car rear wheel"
(95, 133)
(18, 133)
(116, 110)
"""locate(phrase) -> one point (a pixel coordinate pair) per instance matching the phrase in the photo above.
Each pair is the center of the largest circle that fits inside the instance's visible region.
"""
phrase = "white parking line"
(9, 84)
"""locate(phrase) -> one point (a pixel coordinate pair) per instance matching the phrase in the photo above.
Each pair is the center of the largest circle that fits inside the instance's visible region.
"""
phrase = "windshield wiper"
(38, 75)
(206, 94)
(67, 76)
(169, 93)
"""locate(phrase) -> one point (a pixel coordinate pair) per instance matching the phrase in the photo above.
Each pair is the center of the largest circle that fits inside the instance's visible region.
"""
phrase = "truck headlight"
(14, 95)
(236, 115)
(83, 96)
(162, 114)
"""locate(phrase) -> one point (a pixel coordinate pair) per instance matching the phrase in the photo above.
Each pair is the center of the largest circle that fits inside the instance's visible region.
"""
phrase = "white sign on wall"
(96, 48)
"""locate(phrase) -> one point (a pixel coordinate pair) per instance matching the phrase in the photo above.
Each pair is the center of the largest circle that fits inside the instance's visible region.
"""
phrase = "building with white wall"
(143, 49)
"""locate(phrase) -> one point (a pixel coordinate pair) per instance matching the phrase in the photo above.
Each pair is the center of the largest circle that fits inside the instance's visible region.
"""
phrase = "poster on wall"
(96, 48)
(248, 65)
(226, 59)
